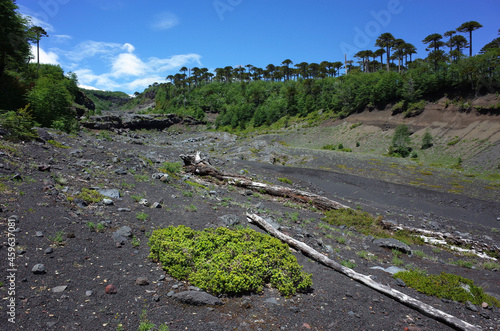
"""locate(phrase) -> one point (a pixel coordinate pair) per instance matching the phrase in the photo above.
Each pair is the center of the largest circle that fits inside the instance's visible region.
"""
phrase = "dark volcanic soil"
(85, 260)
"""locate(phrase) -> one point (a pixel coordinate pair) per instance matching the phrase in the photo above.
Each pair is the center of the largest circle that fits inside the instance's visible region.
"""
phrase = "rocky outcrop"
(137, 122)
(82, 99)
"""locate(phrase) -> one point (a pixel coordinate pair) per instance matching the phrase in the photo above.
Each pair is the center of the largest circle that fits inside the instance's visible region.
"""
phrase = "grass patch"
(141, 216)
(228, 261)
(454, 141)
(285, 180)
(365, 224)
(89, 196)
(57, 144)
(58, 238)
(171, 168)
(447, 286)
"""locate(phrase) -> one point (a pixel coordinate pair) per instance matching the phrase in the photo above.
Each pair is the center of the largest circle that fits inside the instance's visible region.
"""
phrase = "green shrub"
(401, 141)
(228, 261)
(18, 124)
(427, 140)
(171, 168)
(447, 286)
(414, 109)
(329, 147)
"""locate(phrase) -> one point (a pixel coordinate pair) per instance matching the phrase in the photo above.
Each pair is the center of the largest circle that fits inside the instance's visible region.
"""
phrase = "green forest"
(252, 97)
(34, 94)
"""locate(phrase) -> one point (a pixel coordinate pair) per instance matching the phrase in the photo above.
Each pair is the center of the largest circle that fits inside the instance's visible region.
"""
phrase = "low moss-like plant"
(285, 180)
(58, 238)
(141, 216)
(447, 286)
(57, 144)
(228, 261)
(171, 168)
(90, 196)
(365, 224)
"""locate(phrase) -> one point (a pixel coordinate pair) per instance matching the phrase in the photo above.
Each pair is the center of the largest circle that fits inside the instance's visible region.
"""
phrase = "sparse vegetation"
(447, 286)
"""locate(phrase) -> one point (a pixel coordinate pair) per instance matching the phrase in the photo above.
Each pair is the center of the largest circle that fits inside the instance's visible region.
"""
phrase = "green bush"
(18, 124)
(228, 261)
(447, 286)
(427, 140)
(401, 142)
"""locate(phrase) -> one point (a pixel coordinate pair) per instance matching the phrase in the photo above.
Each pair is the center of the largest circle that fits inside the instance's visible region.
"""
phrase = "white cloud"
(128, 47)
(127, 64)
(121, 69)
(165, 21)
(36, 19)
(141, 83)
(60, 38)
(91, 48)
(47, 58)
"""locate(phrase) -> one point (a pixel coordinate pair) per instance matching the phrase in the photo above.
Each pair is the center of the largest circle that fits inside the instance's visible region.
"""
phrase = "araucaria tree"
(386, 40)
(35, 34)
(469, 27)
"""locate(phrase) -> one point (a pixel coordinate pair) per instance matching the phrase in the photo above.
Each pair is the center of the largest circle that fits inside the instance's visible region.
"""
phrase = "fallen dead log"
(195, 164)
(454, 242)
(422, 307)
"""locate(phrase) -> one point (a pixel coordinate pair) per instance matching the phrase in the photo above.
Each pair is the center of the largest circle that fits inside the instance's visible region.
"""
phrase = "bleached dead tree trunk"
(197, 165)
(420, 306)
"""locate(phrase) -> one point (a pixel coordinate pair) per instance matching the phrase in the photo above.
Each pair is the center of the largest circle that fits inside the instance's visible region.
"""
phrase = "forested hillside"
(32, 93)
(106, 100)
(256, 100)
(247, 95)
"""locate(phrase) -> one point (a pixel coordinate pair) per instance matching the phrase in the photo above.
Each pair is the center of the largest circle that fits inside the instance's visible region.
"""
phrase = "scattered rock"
(469, 305)
(110, 193)
(229, 220)
(59, 289)
(156, 205)
(17, 177)
(400, 282)
(107, 202)
(197, 298)
(144, 202)
(392, 243)
(44, 167)
(272, 301)
(484, 305)
(110, 289)
(124, 231)
(88, 293)
(39, 269)
(124, 210)
(39, 234)
(49, 250)
(142, 281)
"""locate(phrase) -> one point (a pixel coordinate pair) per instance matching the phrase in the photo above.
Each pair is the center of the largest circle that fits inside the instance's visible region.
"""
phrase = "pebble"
(142, 281)
(88, 293)
(39, 234)
(39, 269)
(59, 289)
(107, 202)
(49, 250)
(110, 289)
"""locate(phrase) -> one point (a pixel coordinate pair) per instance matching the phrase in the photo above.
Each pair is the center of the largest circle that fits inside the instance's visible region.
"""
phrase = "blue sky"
(125, 45)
